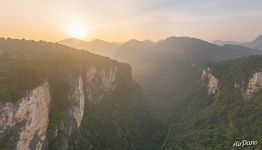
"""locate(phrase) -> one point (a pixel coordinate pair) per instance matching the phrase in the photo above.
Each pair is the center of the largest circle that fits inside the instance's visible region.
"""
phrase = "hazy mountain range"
(256, 44)
(96, 46)
(143, 54)
(113, 49)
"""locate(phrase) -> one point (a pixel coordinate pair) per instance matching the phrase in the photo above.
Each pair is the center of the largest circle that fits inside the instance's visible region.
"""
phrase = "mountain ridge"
(255, 44)
(97, 46)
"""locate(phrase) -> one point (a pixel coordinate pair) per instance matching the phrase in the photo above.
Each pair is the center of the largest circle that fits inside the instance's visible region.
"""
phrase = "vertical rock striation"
(90, 86)
(254, 84)
(212, 85)
(98, 81)
(30, 115)
(78, 101)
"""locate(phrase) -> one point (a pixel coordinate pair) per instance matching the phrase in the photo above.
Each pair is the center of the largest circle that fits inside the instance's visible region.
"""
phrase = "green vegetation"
(183, 114)
(122, 120)
(170, 74)
(217, 121)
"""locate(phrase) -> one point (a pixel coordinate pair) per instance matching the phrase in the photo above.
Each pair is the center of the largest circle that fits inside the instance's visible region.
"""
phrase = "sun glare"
(77, 31)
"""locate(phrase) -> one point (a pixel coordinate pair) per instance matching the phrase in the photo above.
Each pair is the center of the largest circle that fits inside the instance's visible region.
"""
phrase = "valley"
(170, 71)
(186, 94)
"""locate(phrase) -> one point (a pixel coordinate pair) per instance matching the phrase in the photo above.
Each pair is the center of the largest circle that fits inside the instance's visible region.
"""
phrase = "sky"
(121, 20)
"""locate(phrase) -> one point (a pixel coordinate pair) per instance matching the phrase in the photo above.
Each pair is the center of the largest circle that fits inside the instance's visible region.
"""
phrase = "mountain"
(157, 64)
(133, 51)
(193, 95)
(222, 43)
(256, 44)
(197, 118)
(56, 97)
(96, 46)
(170, 74)
(242, 49)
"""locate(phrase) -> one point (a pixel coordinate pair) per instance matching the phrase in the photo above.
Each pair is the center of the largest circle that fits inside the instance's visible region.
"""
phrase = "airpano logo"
(244, 143)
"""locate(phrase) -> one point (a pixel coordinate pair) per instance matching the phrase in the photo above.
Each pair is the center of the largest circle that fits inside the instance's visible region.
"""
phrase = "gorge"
(178, 93)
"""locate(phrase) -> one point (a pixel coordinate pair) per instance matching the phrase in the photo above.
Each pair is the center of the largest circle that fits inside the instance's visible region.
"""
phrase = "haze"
(121, 20)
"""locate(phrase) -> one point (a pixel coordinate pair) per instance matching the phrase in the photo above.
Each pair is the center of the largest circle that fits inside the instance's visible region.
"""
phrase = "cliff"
(254, 84)
(29, 117)
(212, 81)
(90, 87)
(56, 97)
(215, 122)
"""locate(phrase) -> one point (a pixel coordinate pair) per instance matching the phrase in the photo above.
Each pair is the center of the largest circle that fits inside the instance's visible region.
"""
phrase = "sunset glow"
(120, 21)
(77, 31)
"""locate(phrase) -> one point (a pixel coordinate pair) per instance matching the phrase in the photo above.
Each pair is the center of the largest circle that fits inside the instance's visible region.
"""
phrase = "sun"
(77, 31)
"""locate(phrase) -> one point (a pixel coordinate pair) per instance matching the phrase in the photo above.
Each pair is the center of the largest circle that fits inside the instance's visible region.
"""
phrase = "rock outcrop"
(212, 85)
(30, 116)
(78, 102)
(254, 84)
(98, 81)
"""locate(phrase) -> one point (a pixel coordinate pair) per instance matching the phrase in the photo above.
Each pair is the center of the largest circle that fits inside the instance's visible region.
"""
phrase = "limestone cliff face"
(212, 81)
(30, 114)
(30, 118)
(78, 102)
(254, 84)
(91, 86)
(98, 81)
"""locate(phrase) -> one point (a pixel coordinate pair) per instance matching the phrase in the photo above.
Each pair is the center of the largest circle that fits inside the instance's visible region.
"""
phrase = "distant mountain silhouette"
(241, 49)
(222, 43)
(161, 66)
(135, 51)
(143, 55)
(96, 46)
(256, 44)
(130, 50)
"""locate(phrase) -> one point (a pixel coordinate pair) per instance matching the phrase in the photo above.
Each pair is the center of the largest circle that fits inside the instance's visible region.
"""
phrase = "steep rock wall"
(78, 102)
(212, 85)
(91, 86)
(98, 81)
(254, 84)
(32, 112)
